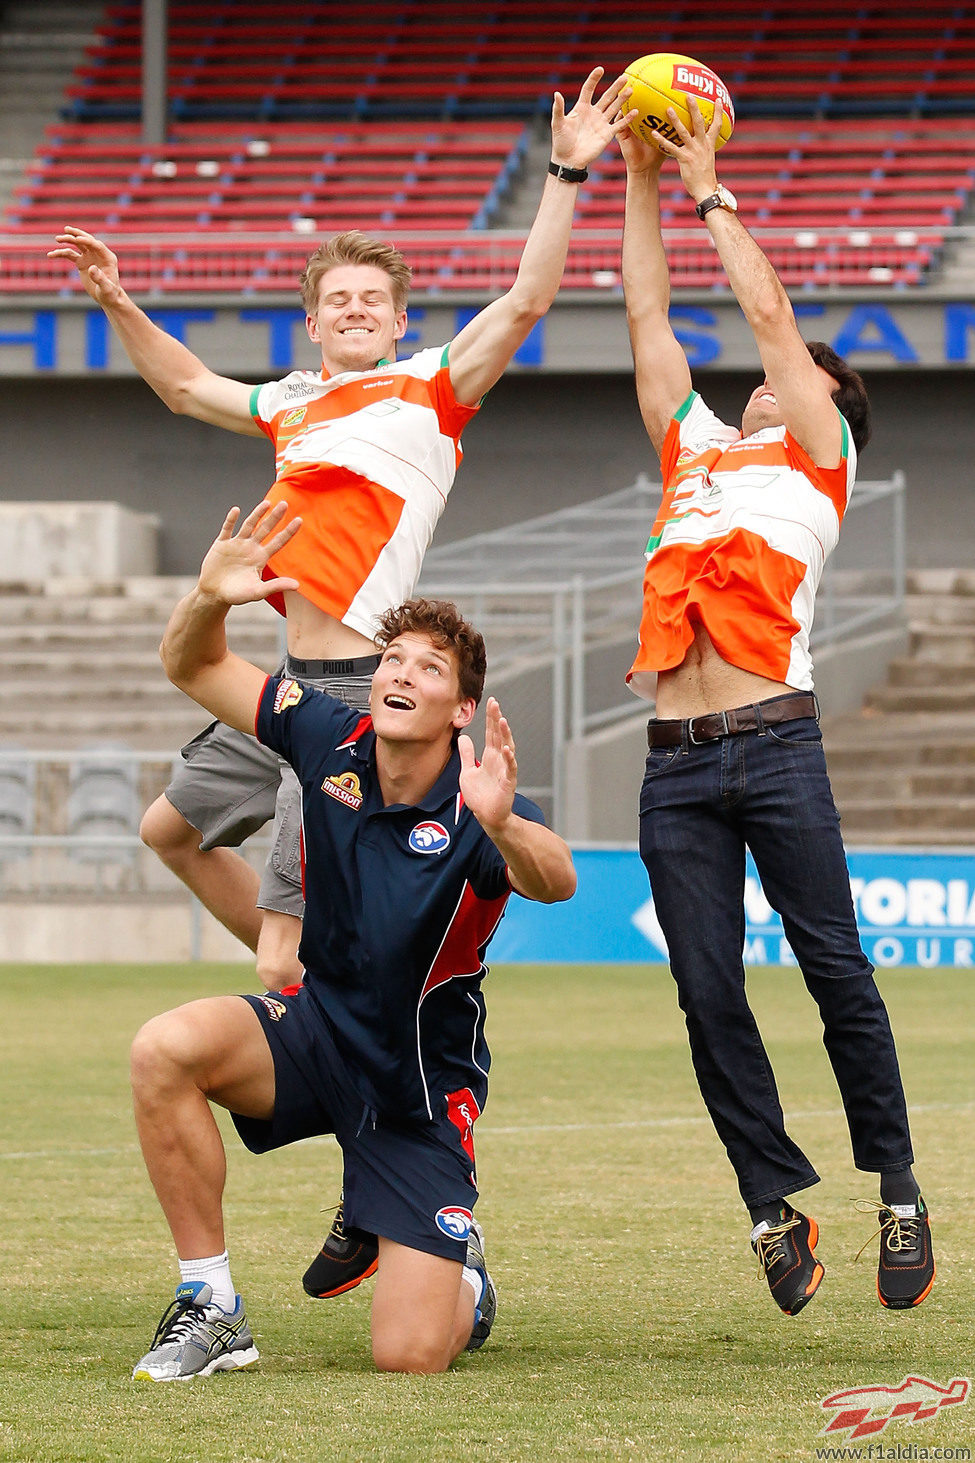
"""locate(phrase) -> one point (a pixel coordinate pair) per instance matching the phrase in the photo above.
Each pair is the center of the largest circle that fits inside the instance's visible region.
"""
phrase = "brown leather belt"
(717, 724)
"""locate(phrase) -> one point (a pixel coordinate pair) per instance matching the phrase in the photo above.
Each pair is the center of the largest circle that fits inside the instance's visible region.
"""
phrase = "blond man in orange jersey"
(735, 756)
(366, 453)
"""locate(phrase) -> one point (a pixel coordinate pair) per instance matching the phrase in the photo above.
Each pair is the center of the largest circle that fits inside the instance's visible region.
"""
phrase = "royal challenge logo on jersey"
(289, 693)
(454, 1221)
(429, 838)
(345, 788)
(300, 389)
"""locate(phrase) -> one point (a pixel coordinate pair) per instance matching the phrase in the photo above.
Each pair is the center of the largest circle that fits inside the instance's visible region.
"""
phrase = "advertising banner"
(913, 908)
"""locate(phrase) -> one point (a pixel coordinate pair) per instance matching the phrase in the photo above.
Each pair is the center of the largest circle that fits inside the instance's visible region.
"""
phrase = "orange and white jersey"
(743, 532)
(367, 459)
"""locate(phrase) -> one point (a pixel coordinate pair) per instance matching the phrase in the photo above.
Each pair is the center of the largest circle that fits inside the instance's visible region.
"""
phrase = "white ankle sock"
(215, 1270)
(476, 1282)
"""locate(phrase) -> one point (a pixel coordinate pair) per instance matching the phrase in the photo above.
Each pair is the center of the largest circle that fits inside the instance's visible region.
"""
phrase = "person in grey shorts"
(228, 786)
(366, 449)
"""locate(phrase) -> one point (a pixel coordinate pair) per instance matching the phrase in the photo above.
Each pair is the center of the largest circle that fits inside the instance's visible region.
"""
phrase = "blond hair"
(354, 247)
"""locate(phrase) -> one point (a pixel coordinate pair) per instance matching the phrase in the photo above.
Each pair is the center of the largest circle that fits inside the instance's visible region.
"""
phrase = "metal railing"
(448, 262)
(558, 601)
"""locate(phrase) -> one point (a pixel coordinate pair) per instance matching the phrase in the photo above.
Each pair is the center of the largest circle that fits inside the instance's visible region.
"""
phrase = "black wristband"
(568, 175)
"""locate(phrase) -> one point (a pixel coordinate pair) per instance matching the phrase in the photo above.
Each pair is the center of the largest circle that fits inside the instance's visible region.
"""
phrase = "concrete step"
(881, 759)
(950, 814)
(123, 621)
(163, 730)
(40, 615)
(110, 658)
(951, 645)
(939, 609)
(899, 784)
(959, 582)
(146, 687)
(917, 837)
(871, 740)
(108, 606)
(930, 700)
(917, 671)
(104, 695)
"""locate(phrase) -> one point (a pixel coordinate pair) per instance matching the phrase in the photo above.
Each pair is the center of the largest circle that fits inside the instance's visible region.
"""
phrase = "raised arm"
(194, 647)
(175, 374)
(801, 389)
(663, 377)
(480, 353)
(539, 862)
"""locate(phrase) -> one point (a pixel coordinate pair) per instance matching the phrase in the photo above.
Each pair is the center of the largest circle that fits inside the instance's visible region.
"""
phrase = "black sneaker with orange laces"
(906, 1270)
(346, 1258)
(786, 1258)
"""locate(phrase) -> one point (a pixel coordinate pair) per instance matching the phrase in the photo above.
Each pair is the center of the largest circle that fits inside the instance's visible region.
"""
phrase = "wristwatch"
(722, 197)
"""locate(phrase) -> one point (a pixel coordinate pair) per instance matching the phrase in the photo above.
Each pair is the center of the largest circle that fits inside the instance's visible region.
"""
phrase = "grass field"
(632, 1323)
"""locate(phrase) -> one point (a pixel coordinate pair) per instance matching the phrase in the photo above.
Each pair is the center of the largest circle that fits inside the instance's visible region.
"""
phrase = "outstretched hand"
(94, 261)
(639, 155)
(579, 136)
(695, 151)
(231, 571)
(489, 787)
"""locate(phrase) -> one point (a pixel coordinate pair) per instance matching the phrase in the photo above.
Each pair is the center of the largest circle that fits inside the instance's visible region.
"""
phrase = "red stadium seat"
(278, 131)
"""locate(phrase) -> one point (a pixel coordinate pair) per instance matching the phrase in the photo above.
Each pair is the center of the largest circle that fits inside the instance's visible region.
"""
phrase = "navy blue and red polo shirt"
(400, 904)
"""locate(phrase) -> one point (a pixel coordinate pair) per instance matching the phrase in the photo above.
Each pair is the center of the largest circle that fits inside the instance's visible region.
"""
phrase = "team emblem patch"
(289, 693)
(294, 417)
(275, 1009)
(455, 1222)
(429, 838)
(345, 788)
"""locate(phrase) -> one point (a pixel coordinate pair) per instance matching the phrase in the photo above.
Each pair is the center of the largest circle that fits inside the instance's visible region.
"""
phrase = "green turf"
(631, 1322)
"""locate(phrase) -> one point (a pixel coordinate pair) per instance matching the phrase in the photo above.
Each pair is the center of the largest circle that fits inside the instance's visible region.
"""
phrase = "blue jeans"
(700, 806)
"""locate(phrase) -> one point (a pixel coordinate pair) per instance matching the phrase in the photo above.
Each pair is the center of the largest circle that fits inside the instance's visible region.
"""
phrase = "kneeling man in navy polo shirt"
(411, 850)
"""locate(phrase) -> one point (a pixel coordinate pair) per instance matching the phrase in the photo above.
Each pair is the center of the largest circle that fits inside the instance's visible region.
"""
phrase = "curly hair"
(851, 396)
(448, 630)
(354, 247)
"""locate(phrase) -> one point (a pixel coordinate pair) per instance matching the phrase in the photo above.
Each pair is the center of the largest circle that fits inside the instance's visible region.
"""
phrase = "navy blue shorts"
(415, 1184)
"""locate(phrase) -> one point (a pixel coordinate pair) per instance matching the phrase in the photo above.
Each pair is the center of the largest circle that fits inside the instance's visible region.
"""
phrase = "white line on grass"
(520, 1128)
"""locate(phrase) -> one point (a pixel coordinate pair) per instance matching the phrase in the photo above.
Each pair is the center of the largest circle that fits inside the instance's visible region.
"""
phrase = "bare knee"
(158, 1058)
(167, 832)
(416, 1354)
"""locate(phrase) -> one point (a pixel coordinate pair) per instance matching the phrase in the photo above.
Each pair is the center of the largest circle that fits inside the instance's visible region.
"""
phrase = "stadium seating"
(17, 778)
(281, 134)
(242, 59)
(103, 806)
(445, 176)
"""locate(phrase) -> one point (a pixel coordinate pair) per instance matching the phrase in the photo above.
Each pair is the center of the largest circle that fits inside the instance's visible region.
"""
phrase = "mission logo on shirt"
(289, 693)
(345, 788)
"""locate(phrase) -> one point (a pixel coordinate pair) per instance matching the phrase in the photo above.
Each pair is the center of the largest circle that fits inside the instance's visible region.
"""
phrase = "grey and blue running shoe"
(487, 1308)
(195, 1337)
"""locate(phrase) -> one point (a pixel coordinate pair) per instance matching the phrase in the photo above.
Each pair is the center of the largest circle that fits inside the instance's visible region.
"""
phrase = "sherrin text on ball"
(663, 80)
